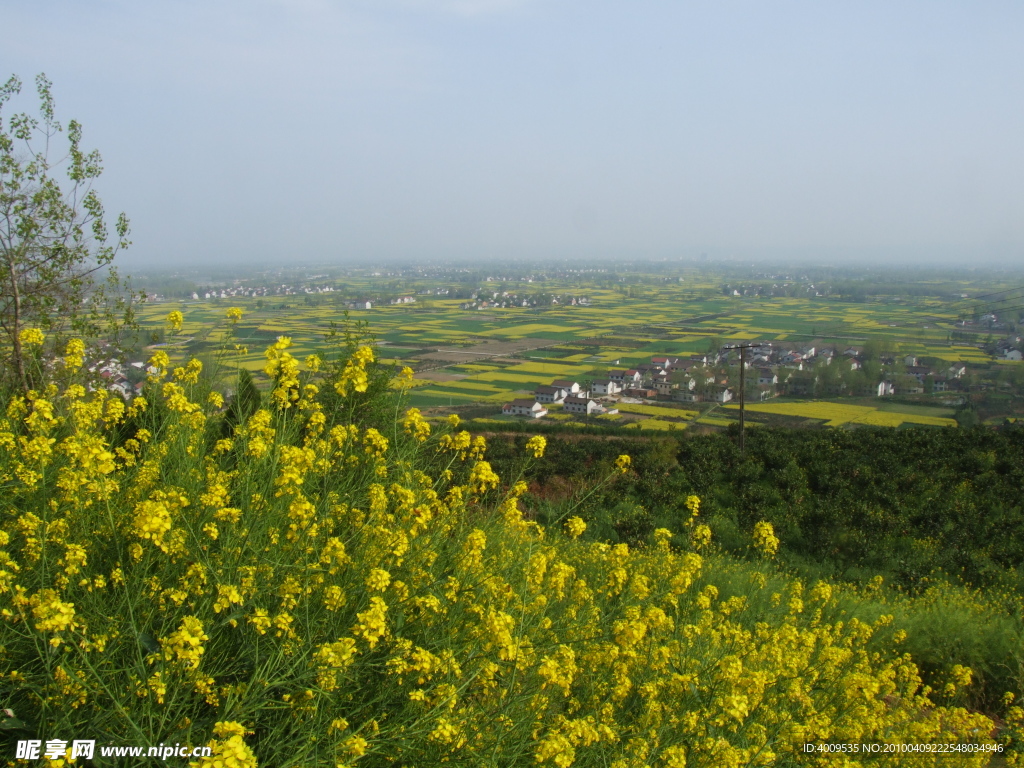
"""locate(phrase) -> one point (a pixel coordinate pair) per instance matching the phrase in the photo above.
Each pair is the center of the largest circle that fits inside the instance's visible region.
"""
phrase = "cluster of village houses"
(506, 300)
(705, 377)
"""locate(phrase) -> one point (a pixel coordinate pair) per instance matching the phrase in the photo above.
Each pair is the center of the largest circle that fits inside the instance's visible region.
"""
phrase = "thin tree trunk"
(19, 362)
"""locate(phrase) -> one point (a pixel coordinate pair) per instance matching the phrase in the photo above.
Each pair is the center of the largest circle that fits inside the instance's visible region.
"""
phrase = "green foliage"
(901, 503)
(55, 237)
(244, 403)
(932, 512)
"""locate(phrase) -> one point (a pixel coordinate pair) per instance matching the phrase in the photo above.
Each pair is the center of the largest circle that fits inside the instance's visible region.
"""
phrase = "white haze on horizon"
(290, 131)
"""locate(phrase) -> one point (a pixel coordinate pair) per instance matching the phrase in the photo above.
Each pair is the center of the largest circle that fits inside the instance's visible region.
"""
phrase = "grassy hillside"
(319, 577)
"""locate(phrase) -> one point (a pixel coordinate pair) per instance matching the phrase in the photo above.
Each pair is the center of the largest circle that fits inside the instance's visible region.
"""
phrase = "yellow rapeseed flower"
(765, 540)
(700, 537)
(74, 354)
(414, 424)
(32, 337)
(575, 527)
(536, 445)
(175, 320)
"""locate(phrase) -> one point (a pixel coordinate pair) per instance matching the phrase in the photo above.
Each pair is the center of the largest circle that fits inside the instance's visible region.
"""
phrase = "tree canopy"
(54, 236)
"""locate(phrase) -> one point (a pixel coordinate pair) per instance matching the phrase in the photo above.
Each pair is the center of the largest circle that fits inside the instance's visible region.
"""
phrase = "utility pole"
(743, 393)
(743, 384)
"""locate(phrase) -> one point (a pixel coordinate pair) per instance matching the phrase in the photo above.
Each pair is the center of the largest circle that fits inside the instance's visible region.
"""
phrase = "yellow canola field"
(837, 414)
(655, 425)
(474, 367)
(715, 421)
(415, 383)
(655, 410)
(519, 331)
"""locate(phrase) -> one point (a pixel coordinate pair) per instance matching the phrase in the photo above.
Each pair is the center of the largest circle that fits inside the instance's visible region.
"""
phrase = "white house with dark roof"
(524, 407)
(581, 405)
(919, 372)
(631, 376)
(545, 394)
(570, 387)
(606, 387)
(664, 362)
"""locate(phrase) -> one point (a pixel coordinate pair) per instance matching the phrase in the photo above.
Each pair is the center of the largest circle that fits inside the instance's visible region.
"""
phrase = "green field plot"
(543, 330)
(917, 410)
(472, 386)
(549, 369)
(433, 397)
(655, 410)
(520, 378)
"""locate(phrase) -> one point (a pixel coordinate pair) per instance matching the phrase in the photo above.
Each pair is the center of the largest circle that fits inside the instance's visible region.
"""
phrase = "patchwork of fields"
(493, 355)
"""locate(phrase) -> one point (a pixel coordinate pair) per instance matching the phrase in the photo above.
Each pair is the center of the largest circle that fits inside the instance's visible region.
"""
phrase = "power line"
(1011, 309)
(994, 293)
(992, 304)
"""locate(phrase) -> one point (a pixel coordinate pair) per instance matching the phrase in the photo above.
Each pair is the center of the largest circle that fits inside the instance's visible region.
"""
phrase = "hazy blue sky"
(301, 130)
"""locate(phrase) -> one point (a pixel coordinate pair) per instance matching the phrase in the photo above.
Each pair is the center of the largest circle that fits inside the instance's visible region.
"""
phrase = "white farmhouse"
(582, 405)
(549, 394)
(570, 387)
(524, 407)
(606, 387)
(723, 395)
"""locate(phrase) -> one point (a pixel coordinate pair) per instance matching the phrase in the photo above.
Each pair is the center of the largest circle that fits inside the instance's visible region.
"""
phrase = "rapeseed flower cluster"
(297, 590)
(32, 337)
(354, 377)
(765, 540)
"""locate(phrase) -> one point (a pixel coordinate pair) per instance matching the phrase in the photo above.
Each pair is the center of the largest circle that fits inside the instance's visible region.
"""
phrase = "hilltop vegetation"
(319, 576)
(901, 503)
(934, 515)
